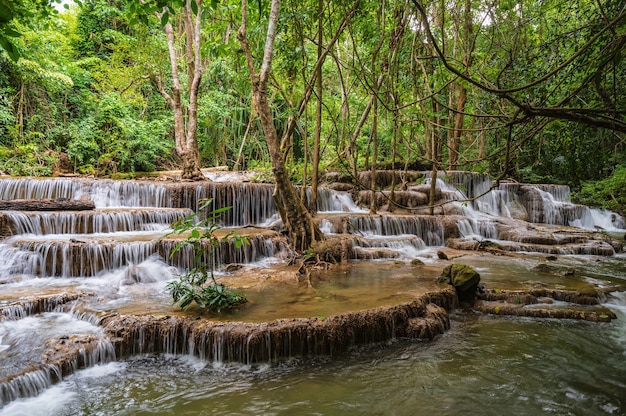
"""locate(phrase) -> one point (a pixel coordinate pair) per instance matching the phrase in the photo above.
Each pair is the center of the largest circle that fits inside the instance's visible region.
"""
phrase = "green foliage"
(198, 285)
(609, 193)
(26, 12)
(27, 159)
(86, 85)
(112, 140)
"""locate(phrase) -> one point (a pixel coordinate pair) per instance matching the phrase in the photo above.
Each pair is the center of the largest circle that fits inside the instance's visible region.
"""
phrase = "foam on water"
(49, 402)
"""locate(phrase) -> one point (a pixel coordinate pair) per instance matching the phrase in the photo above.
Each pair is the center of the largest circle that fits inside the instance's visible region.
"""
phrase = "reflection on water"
(481, 366)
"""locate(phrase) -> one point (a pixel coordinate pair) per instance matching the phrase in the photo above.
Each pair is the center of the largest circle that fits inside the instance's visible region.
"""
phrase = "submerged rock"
(554, 270)
(442, 255)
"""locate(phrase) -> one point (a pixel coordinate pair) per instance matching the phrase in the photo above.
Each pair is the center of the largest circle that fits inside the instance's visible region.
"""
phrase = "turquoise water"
(484, 365)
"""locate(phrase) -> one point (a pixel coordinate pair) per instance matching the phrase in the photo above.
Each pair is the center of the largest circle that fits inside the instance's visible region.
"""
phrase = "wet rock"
(425, 189)
(334, 249)
(442, 256)
(233, 267)
(403, 199)
(422, 318)
(616, 244)
(40, 304)
(540, 296)
(435, 322)
(417, 262)
(464, 279)
(597, 314)
(385, 178)
(340, 186)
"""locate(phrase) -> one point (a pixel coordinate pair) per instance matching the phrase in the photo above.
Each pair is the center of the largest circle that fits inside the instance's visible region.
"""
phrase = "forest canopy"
(530, 90)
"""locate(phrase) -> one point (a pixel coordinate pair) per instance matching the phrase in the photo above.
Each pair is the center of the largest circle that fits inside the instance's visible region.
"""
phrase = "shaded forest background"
(529, 90)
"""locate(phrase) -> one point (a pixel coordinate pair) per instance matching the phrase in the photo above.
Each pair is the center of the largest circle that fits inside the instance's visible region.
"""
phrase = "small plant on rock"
(198, 285)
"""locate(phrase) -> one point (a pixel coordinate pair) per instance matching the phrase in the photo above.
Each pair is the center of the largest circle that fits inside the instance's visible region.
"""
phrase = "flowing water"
(111, 260)
(483, 365)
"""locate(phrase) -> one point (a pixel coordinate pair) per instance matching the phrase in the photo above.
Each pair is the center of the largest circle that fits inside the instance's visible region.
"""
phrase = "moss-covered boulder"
(464, 279)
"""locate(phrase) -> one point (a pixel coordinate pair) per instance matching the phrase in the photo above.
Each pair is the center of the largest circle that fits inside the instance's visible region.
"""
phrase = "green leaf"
(165, 19)
(10, 48)
(11, 32)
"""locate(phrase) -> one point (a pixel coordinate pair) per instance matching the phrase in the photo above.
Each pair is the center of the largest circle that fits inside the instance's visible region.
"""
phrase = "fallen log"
(60, 204)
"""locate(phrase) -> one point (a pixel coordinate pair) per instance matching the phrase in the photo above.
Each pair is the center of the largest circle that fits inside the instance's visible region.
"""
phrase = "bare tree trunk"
(466, 43)
(318, 116)
(455, 144)
(374, 140)
(185, 128)
(296, 219)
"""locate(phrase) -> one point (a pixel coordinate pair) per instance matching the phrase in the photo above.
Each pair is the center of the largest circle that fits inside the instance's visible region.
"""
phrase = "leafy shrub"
(27, 160)
(198, 285)
(609, 193)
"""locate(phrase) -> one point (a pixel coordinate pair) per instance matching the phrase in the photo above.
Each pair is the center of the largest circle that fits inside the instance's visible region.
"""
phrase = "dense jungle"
(401, 207)
(524, 90)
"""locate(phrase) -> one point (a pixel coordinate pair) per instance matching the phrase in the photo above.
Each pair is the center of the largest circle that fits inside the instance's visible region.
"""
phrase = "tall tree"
(189, 23)
(296, 218)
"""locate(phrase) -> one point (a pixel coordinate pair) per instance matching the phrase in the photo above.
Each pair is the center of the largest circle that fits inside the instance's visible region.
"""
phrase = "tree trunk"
(186, 128)
(455, 143)
(318, 115)
(296, 218)
(373, 205)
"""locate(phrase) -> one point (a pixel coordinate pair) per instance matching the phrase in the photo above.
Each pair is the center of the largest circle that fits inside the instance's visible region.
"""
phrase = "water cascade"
(87, 269)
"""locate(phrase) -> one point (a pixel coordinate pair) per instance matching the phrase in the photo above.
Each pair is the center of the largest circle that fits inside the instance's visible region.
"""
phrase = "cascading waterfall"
(406, 236)
(227, 252)
(250, 204)
(118, 246)
(28, 188)
(16, 264)
(87, 222)
(118, 243)
(427, 228)
(541, 203)
(329, 201)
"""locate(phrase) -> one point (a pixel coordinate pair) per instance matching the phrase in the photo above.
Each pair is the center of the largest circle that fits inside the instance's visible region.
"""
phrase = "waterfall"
(266, 342)
(427, 228)
(227, 252)
(477, 228)
(106, 194)
(327, 227)
(332, 201)
(28, 188)
(593, 219)
(251, 204)
(88, 222)
(16, 264)
(406, 246)
(543, 203)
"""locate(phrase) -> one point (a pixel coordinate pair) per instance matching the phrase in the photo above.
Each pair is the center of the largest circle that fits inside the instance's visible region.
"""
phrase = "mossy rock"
(417, 262)
(461, 276)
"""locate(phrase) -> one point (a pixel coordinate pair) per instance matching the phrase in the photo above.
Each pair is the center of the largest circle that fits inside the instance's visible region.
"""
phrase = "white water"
(552, 206)
(330, 201)
(128, 272)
